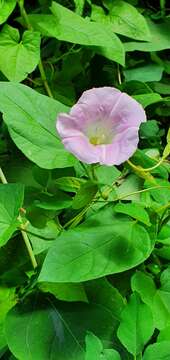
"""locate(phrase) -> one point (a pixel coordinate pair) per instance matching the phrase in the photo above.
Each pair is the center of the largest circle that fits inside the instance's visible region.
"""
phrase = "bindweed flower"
(102, 127)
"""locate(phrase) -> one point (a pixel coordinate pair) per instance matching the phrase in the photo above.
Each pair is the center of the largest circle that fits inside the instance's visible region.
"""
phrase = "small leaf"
(18, 58)
(11, 200)
(134, 210)
(6, 8)
(136, 326)
(147, 99)
(94, 347)
(84, 195)
(167, 147)
(144, 285)
(70, 184)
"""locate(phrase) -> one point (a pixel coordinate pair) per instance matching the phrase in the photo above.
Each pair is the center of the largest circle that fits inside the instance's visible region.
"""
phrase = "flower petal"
(96, 103)
(127, 112)
(82, 149)
(122, 148)
(67, 126)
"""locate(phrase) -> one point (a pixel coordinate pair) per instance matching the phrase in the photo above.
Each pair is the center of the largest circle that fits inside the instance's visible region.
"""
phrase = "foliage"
(84, 250)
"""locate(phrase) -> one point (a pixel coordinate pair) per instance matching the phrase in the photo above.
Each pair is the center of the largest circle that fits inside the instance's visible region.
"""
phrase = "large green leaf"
(46, 329)
(95, 351)
(158, 351)
(11, 200)
(90, 252)
(31, 118)
(123, 19)
(18, 57)
(6, 8)
(159, 38)
(65, 25)
(136, 326)
(7, 300)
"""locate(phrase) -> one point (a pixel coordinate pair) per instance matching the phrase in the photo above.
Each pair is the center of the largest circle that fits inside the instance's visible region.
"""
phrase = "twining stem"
(22, 228)
(40, 65)
(140, 169)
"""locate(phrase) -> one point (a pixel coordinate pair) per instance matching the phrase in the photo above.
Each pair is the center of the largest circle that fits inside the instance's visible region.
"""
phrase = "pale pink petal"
(82, 149)
(67, 126)
(127, 112)
(96, 103)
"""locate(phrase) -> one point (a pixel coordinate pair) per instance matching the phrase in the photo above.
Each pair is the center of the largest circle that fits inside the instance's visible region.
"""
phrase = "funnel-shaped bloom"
(102, 127)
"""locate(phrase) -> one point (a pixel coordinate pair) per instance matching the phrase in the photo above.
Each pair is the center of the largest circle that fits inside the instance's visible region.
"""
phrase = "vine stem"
(140, 169)
(40, 65)
(22, 228)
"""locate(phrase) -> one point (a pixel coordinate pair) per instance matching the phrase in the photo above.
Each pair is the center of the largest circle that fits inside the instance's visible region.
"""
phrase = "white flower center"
(99, 133)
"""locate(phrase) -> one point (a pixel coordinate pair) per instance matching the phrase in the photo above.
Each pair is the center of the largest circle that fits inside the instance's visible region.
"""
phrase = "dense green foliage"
(84, 250)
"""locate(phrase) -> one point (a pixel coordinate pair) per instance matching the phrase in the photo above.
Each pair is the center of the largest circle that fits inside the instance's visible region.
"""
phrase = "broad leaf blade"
(90, 252)
(18, 58)
(31, 119)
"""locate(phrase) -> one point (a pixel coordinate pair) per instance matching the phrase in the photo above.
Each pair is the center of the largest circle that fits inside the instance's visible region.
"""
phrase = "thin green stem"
(140, 169)
(22, 228)
(40, 65)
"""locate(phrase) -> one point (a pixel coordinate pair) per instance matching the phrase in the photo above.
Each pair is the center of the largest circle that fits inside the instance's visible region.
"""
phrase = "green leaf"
(79, 4)
(95, 351)
(85, 195)
(102, 292)
(123, 19)
(147, 99)
(90, 252)
(31, 118)
(150, 72)
(158, 351)
(162, 194)
(127, 21)
(107, 175)
(18, 57)
(134, 210)
(58, 201)
(94, 347)
(165, 280)
(65, 292)
(46, 328)
(70, 183)
(136, 326)
(65, 25)
(6, 8)
(161, 309)
(167, 147)
(7, 300)
(144, 285)
(11, 200)
(164, 334)
(159, 38)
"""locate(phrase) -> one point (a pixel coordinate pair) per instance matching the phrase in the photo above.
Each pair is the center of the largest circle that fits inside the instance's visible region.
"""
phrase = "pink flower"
(102, 127)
